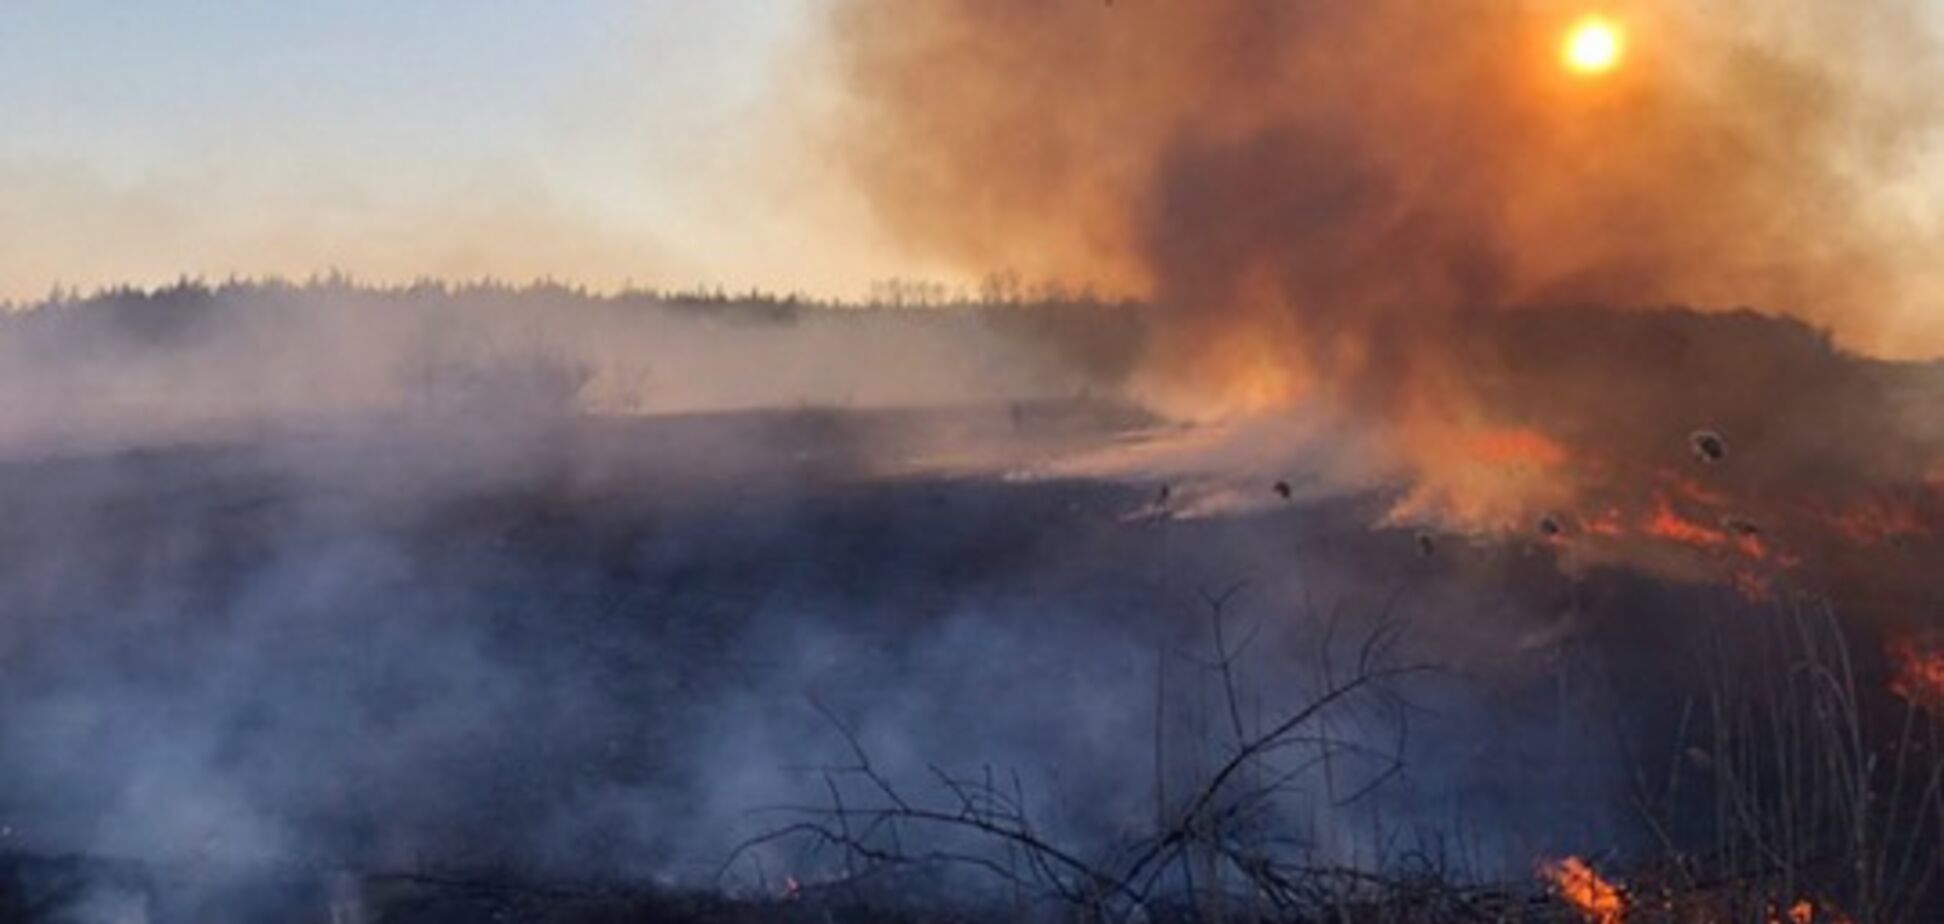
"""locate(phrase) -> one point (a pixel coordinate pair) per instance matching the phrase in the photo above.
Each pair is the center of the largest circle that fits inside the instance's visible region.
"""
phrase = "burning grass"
(1576, 883)
(1792, 792)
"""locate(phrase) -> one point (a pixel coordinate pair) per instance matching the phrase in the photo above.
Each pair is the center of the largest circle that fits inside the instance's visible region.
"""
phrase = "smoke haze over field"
(290, 586)
(1318, 337)
(192, 361)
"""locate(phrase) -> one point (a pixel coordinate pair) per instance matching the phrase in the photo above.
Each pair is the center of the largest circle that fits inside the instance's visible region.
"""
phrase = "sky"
(600, 141)
(606, 142)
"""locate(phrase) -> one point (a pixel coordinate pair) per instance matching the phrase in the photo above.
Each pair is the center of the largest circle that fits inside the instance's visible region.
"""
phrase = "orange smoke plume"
(1350, 180)
(1408, 213)
(1512, 448)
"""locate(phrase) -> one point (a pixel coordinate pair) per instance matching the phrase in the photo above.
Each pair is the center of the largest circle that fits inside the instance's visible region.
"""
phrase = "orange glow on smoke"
(1240, 374)
(1482, 480)
(1597, 900)
(1607, 524)
(1877, 521)
(1261, 384)
(1518, 447)
(1695, 491)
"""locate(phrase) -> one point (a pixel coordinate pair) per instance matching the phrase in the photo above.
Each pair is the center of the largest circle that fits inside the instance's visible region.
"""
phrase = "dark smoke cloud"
(1412, 214)
(1357, 182)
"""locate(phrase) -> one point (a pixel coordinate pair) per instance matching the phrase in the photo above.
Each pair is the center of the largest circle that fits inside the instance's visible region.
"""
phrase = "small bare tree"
(1214, 848)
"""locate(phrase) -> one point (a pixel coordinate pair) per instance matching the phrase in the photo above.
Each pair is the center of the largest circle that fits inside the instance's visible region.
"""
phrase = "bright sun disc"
(1594, 46)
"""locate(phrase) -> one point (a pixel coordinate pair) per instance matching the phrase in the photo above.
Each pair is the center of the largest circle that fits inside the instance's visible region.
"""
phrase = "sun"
(1593, 46)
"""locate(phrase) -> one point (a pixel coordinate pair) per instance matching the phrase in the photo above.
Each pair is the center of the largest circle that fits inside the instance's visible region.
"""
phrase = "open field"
(308, 614)
(237, 671)
(975, 461)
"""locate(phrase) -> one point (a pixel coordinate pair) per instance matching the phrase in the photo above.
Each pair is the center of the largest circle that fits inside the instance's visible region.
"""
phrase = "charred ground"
(443, 658)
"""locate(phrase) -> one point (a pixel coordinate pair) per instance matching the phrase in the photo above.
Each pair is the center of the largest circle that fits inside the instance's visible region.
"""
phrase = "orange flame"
(1669, 525)
(1597, 900)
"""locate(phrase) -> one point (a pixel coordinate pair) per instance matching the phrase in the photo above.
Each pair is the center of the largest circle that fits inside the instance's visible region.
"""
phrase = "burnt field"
(597, 663)
(1240, 462)
(344, 604)
(767, 666)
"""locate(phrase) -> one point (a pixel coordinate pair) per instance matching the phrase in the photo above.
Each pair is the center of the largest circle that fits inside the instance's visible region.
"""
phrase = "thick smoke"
(428, 581)
(1333, 190)
(1412, 215)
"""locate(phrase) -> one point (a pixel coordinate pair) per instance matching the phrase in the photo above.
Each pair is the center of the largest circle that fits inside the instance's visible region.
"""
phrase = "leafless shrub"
(1214, 850)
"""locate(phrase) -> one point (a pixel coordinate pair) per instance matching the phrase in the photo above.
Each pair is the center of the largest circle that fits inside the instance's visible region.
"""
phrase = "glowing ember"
(1607, 523)
(1805, 912)
(1877, 521)
(1919, 676)
(1594, 46)
(1597, 900)
(1753, 587)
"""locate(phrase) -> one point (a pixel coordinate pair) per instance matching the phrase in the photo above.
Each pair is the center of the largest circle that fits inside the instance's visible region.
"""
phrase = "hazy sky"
(599, 140)
(603, 141)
